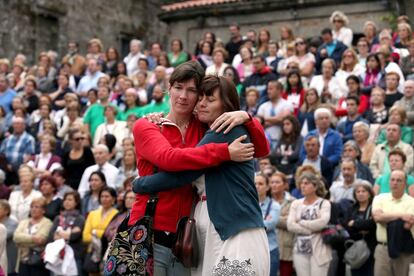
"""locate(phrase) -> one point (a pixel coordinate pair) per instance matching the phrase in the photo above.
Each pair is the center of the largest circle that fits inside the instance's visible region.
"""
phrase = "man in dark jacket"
(263, 74)
(331, 48)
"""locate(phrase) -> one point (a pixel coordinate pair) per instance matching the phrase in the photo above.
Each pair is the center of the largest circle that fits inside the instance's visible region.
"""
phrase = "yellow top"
(96, 222)
(388, 204)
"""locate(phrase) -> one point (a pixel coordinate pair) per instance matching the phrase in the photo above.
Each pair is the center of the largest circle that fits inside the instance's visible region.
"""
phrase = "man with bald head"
(379, 161)
(408, 101)
(17, 147)
(387, 208)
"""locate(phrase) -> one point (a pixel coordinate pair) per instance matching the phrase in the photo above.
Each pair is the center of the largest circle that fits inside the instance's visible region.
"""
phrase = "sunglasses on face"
(79, 139)
(300, 43)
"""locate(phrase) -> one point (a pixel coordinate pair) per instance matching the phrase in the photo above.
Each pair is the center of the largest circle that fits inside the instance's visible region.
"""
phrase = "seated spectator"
(315, 159)
(77, 159)
(349, 66)
(69, 226)
(307, 217)
(407, 102)
(233, 75)
(20, 200)
(59, 95)
(330, 140)
(286, 154)
(90, 201)
(397, 160)
(98, 220)
(252, 100)
(352, 151)
(273, 111)
(391, 89)
(388, 208)
(294, 92)
(407, 63)
(378, 112)
(61, 187)
(378, 164)
(90, 79)
(372, 75)
(397, 115)
(303, 57)
(273, 59)
(45, 162)
(360, 224)
(48, 188)
(340, 32)
(270, 211)
(204, 58)
(159, 103)
(388, 65)
(30, 237)
(4, 189)
(245, 68)
(327, 84)
(218, 66)
(177, 55)
(306, 115)
(344, 189)
(71, 120)
(370, 33)
(128, 166)
(405, 34)
(360, 132)
(16, 147)
(110, 126)
(29, 95)
(7, 93)
(363, 51)
(69, 98)
(131, 104)
(346, 124)
(11, 224)
(331, 48)
(278, 188)
(354, 90)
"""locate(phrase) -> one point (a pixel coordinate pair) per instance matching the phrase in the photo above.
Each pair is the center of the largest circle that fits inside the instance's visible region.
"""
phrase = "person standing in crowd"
(11, 224)
(131, 60)
(394, 213)
(77, 159)
(271, 212)
(331, 48)
(110, 126)
(306, 115)
(278, 188)
(345, 125)
(307, 217)
(344, 189)
(360, 132)
(407, 102)
(30, 237)
(101, 154)
(326, 84)
(159, 103)
(397, 115)
(6, 93)
(235, 42)
(90, 201)
(47, 187)
(90, 80)
(272, 112)
(177, 55)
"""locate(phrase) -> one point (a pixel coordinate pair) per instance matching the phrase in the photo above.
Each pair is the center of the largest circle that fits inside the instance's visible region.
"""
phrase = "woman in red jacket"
(171, 147)
(354, 87)
(294, 92)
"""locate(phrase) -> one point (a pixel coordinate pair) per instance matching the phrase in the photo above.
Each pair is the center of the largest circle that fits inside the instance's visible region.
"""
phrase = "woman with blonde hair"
(340, 32)
(263, 41)
(370, 33)
(279, 185)
(404, 35)
(349, 66)
(360, 132)
(286, 37)
(307, 218)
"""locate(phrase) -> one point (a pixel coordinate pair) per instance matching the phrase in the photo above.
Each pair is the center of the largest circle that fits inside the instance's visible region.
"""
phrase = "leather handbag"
(357, 253)
(185, 247)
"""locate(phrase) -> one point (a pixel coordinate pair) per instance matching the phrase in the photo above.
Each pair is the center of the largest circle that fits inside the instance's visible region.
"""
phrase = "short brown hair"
(227, 90)
(400, 153)
(39, 200)
(187, 71)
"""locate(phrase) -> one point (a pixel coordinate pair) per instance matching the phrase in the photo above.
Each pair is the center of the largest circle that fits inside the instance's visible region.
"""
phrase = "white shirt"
(20, 206)
(212, 70)
(110, 172)
(89, 81)
(393, 67)
(322, 142)
(131, 62)
(344, 35)
(118, 129)
(318, 83)
(268, 109)
(42, 161)
(342, 75)
(3, 243)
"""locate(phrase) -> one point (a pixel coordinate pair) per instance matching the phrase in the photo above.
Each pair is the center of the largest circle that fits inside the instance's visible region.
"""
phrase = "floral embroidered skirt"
(245, 254)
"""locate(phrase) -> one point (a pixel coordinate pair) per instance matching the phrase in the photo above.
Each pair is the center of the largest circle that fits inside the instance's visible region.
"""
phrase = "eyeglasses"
(300, 43)
(79, 139)
(337, 21)
(350, 56)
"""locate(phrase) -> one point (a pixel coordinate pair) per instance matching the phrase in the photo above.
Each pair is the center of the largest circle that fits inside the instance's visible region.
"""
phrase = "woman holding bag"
(360, 224)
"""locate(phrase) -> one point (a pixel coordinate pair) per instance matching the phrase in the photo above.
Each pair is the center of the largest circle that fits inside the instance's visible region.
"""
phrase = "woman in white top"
(20, 200)
(305, 59)
(111, 126)
(327, 84)
(218, 66)
(340, 32)
(349, 66)
(307, 217)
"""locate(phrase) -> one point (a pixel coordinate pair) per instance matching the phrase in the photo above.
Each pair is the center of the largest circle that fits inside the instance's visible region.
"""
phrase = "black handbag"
(131, 252)
(89, 265)
(35, 257)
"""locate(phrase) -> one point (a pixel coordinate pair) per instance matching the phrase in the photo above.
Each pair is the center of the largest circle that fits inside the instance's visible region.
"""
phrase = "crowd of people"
(336, 110)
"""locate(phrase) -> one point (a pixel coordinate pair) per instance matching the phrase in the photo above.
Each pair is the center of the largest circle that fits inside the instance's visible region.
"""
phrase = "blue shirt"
(6, 99)
(270, 220)
(16, 147)
(331, 47)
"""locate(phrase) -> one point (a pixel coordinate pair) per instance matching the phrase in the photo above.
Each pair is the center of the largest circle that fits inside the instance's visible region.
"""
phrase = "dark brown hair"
(400, 153)
(76, 196)
(187, 71)
(227, 90)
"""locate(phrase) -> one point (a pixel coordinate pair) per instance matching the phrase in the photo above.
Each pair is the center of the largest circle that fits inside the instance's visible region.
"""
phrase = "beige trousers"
(385, 266)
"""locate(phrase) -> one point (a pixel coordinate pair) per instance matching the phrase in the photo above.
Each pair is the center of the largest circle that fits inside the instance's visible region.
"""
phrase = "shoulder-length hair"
(291, 138)
(227, 91)
(288, 86)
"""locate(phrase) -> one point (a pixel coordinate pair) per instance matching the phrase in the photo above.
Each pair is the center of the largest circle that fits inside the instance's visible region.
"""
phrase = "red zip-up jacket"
(168, 150)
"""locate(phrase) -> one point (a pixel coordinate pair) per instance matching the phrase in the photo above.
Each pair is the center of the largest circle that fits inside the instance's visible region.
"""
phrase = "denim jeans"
(274, 261)
(165, 263)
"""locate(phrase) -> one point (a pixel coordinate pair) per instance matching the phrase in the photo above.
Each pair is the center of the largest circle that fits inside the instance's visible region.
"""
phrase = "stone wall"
(32, 26)
(306, 21)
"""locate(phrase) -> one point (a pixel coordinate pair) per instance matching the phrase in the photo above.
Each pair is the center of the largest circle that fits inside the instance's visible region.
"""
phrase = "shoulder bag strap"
(268, 208)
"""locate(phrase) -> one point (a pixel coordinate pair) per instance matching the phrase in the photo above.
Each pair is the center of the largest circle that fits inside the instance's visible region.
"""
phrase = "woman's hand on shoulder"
(229, 120)
(239, 151)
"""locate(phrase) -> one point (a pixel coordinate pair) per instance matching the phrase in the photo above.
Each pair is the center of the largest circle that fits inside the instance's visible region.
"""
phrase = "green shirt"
(122, 116)
(163, 107)
(182, 57)
(406, 135)
(384, 183)
(94, 116)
